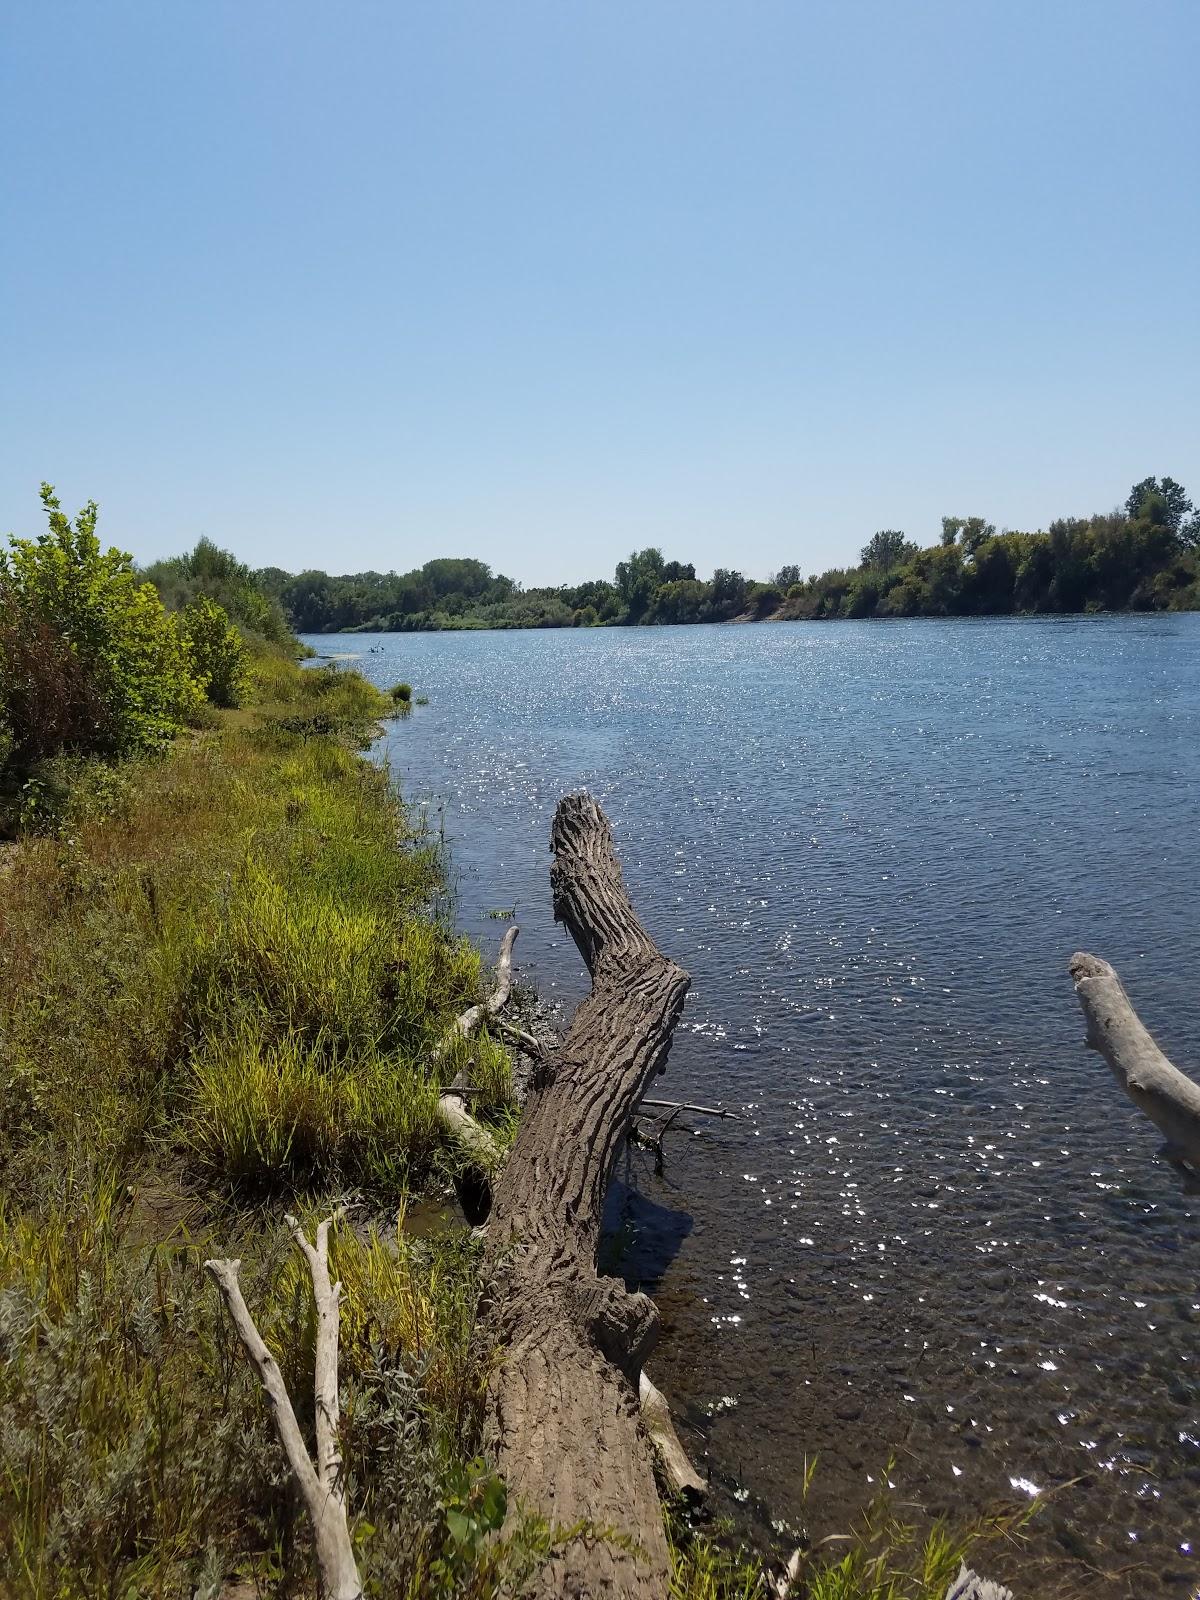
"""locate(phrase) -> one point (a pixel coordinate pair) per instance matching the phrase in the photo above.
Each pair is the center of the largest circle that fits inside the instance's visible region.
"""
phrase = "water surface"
(939, 1230)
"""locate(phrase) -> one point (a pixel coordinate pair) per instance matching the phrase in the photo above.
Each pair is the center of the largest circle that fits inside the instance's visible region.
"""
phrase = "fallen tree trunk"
(564, 1402)
(1169, 1098)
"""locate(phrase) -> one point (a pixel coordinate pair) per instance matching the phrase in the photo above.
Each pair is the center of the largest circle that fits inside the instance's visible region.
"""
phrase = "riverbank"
(224, 981)
(220, 983)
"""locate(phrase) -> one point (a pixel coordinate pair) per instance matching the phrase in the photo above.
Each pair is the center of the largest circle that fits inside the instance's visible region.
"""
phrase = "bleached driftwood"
(464, 1026)
(970, 1586)
(1169, 1098)
(321, 1485)
(469, 1134)
(656, 1414)
(563, 1401)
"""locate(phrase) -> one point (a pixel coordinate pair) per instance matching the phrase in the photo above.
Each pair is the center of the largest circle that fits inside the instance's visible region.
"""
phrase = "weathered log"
(656, 1414)
(322, 1486)
(1169, 1098)
(563, 1403)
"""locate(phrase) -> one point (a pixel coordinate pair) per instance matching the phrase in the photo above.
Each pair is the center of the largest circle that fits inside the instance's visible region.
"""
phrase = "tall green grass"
(220, 981)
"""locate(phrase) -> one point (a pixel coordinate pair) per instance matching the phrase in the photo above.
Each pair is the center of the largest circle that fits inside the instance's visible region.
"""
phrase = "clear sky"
(351, 285)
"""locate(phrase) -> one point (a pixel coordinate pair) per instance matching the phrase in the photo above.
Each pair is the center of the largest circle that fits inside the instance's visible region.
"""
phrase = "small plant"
(401, 693)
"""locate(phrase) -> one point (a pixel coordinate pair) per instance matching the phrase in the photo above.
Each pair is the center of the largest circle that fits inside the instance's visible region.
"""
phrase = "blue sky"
(355, 285)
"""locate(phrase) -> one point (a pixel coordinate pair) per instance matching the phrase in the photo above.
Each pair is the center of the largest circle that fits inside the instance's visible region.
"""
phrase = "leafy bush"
(218, 654)
(89, 660)
(401, 693)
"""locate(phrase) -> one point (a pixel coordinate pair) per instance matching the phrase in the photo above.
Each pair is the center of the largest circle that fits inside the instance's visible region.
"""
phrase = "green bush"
(401, 693)
(219, 658)
(89, 660)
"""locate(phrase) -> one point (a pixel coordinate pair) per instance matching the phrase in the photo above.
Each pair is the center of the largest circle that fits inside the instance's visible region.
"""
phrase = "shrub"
(89, 660)
(218, 653)
(48, 699)
(401, 693)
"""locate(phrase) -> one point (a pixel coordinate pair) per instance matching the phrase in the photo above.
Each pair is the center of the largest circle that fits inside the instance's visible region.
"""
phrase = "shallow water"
(939, 1229)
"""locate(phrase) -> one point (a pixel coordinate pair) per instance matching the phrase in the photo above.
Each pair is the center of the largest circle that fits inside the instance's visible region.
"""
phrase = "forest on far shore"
(1144, 556)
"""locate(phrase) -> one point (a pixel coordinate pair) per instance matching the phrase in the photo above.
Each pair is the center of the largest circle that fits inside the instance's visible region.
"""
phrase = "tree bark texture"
(564, 1400)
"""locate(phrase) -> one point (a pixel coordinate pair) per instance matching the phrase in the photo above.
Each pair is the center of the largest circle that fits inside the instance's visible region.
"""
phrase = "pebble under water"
(939, 1234)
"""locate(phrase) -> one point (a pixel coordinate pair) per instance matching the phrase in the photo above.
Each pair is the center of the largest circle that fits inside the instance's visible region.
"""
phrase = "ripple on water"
(938, 1231)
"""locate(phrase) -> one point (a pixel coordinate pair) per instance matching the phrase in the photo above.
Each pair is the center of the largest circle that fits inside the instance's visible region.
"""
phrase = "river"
(938, 1232)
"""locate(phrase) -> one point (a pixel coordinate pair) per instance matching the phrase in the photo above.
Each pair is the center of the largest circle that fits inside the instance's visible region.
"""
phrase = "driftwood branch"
(518, 1036)
(465, 1025)
(1169, 1098)
(656, 1414)
(564, 1403)
(321, 1486)
(684, 1105)
(471, 1136)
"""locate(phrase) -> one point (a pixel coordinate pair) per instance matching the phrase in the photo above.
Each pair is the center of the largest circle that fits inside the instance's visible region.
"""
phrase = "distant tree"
(637, 579)
(763, 598)
(678, 572)
(786, 577)
(1173, 496)
(887, 549)
(968, 532)
(681, 600)
(728, 591)
(217, 574)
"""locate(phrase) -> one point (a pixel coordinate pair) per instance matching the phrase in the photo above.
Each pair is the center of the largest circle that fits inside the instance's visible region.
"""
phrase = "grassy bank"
(219, 986)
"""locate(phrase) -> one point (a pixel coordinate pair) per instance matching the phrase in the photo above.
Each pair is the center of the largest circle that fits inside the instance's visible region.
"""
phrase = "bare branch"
(701, 1111)
(478, 1144)
(320, 1488)
(327, 1298)
(464, 1026)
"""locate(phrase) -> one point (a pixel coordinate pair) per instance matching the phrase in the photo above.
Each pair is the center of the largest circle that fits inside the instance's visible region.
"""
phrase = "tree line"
(1141, 557)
